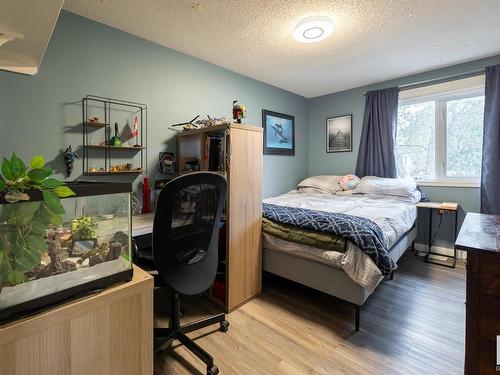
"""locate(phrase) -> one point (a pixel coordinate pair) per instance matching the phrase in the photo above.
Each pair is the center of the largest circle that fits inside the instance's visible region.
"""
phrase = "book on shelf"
(215, 150)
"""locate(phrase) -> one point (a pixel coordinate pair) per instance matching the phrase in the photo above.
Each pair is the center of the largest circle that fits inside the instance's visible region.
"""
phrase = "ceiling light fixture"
(313, 29)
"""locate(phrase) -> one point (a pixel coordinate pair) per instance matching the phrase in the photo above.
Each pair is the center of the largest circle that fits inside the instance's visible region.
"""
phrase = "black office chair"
(185, 240)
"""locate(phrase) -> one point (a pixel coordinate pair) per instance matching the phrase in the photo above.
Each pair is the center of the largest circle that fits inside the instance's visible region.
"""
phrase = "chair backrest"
(186, 231)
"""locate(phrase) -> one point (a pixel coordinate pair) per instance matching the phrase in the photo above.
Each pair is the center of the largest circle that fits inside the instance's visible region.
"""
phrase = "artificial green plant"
(23, 224)
(84, 228)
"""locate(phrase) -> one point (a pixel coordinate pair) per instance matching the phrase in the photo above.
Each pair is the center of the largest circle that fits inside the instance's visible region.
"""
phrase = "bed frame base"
(358, 308)
(325, 278)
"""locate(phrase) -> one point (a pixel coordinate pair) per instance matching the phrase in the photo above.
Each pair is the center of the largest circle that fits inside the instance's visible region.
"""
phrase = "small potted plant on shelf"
(23, 224)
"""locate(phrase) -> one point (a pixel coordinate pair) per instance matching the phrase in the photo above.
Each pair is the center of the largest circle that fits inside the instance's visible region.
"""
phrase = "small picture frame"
(339, 134)
(279, 133)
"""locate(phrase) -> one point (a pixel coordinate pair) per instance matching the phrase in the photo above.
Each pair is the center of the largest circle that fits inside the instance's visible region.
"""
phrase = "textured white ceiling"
(374, 40)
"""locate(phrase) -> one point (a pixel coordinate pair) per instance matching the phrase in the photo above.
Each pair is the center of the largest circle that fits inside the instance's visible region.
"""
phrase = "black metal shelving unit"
(108, 106)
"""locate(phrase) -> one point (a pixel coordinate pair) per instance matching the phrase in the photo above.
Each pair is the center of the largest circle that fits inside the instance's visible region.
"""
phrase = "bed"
(350, 274)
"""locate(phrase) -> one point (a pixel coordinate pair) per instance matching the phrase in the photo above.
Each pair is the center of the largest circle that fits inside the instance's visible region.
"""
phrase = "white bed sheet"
(393, 214)
(358, 266)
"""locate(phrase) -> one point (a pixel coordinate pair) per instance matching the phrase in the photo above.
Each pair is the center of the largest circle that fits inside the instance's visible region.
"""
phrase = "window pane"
(464, 137)
(415, 140)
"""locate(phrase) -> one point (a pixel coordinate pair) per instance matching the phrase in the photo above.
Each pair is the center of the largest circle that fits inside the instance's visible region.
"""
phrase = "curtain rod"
(450, 77)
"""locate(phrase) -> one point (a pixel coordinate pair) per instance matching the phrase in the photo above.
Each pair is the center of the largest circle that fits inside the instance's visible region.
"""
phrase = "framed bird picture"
(279, 133)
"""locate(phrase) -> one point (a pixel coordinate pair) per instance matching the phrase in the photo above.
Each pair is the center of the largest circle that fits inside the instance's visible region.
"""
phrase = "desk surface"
(449, 206)
(480, 233)
(142, 224)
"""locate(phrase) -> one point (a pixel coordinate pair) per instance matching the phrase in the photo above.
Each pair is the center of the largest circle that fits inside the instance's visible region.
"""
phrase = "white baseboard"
(441, 250)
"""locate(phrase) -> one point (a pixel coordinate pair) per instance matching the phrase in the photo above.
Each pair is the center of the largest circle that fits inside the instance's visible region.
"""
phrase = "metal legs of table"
(454, 257)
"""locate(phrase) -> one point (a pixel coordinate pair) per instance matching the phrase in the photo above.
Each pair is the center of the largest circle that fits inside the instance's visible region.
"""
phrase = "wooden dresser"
(480, 237)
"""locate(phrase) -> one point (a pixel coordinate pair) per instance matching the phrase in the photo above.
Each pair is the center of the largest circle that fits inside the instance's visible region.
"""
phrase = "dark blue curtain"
(378, 137)
(490, 175)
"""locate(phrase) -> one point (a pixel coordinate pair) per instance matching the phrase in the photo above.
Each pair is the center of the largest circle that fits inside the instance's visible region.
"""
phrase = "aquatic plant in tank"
(24, 224)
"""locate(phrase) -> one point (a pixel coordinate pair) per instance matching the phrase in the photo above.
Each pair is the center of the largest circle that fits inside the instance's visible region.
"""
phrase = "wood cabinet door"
(245, 216)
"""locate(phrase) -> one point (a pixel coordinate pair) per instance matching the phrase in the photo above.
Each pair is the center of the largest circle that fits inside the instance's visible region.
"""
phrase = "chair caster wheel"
(224, 326)
(212, 370)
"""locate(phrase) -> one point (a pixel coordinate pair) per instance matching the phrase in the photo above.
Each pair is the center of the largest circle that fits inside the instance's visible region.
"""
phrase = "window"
(440, 132)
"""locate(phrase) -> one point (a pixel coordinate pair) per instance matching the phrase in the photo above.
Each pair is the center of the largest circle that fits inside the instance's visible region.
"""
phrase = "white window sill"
(445, 183)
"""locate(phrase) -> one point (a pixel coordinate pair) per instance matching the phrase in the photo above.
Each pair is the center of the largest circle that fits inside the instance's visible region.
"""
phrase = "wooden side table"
(440, 208)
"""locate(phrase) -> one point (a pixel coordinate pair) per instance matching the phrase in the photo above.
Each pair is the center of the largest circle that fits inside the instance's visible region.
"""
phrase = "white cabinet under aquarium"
(47, 257)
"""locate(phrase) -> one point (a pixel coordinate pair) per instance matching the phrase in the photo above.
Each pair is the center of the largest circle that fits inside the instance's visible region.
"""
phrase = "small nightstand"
(441, 208)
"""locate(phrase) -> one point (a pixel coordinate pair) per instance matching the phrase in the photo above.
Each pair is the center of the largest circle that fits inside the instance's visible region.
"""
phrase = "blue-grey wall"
(40, 114)
(352, 102)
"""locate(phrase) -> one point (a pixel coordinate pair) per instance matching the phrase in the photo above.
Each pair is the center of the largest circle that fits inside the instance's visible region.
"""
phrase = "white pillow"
(311, 190)
(325, 183)
(387, 186)
(344, 192)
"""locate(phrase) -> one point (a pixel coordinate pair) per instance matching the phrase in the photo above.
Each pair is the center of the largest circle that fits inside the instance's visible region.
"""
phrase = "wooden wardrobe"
(238, 152)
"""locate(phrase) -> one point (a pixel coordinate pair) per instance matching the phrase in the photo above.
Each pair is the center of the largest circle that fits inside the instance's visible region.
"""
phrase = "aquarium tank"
(59, 241)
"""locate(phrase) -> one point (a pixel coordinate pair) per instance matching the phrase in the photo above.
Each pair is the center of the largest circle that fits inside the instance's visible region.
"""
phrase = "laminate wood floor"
(414, 324)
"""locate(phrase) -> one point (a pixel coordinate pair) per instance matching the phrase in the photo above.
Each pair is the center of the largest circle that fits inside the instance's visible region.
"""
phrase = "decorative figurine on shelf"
(69, 158)
(135, 132)
(116, 140)
(93, 120)
(167, 163)
(185, 125)
(239, 111)
(212, 121)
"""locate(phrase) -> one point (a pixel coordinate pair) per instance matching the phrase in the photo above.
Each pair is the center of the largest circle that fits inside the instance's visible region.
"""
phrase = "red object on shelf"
(146, 197)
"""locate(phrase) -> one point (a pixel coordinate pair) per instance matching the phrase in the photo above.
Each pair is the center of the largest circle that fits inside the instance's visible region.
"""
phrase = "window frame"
(440, 167)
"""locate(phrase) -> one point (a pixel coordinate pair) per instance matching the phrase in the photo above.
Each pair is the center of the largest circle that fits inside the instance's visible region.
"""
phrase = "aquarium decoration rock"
(95, 259)
(56, 265)
(100, 251)
(104, 252)
(114, 251)
(122, 238)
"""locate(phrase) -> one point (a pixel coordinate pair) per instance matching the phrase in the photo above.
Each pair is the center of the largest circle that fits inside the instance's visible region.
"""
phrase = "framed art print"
(339, 133)
(279, 133)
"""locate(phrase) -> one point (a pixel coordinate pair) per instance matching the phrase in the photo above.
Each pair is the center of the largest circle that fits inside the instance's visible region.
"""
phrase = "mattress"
(393, 214)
